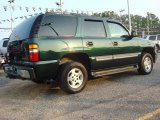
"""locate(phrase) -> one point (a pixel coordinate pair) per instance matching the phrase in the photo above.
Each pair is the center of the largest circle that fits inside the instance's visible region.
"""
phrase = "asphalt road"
(125, 96)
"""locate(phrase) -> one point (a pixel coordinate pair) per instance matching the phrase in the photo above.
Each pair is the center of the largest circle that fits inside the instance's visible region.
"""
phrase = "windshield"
(152, 37)
(5, 43)
(22, 31)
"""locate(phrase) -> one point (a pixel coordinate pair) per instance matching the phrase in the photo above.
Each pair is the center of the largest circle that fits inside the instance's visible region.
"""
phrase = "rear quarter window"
(52, 26)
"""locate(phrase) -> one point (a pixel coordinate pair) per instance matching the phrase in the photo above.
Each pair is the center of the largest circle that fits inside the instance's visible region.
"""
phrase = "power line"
(5, 28)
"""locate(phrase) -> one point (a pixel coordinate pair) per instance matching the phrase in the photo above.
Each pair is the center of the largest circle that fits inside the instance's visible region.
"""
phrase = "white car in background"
(3, 50)
(3, 46)
(2, 60)
(155, 39)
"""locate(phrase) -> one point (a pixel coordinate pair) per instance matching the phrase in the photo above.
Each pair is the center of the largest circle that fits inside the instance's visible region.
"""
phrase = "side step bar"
(113, 71)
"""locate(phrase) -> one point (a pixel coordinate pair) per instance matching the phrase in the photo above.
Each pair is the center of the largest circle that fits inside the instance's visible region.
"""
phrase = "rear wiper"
(49, 24)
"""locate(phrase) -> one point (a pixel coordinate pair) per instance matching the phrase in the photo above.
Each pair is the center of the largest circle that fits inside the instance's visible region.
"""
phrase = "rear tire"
(146, 64)
(73, 77)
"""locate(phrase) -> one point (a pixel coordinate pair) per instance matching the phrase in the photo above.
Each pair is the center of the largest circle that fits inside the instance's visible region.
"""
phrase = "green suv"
(72, 48)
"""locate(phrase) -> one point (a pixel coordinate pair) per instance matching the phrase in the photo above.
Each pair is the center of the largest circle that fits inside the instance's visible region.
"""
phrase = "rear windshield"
(22, 31)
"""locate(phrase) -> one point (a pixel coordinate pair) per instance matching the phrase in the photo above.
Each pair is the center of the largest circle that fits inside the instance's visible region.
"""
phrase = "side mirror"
(134, 34)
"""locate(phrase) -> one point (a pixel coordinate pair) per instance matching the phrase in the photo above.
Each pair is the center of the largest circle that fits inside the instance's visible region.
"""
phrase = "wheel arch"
(77, 57)
(151, 51)
(158, 46)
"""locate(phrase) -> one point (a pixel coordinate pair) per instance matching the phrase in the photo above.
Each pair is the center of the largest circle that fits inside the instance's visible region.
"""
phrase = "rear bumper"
(19, 71)
(42, 70)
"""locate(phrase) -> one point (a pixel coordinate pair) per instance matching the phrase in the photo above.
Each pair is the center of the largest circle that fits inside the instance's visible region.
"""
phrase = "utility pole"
(129, 17)
(60, 5)
(148, 23)
(11, 1)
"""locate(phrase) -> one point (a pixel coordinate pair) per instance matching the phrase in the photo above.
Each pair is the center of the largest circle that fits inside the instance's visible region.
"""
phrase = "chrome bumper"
(19, 72)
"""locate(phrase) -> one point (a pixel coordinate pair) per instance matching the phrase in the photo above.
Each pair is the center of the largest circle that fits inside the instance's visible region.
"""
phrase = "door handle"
(89, 44)
(115, 43)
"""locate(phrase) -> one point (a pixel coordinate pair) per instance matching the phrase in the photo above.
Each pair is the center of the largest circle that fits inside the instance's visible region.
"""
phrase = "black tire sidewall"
(65, 69)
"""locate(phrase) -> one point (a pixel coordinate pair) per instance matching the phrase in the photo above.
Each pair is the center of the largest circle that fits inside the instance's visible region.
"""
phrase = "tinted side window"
(158, 37)
(93, 29)
(5, 43)
(58, 26)
(152, 38)
(116, 30)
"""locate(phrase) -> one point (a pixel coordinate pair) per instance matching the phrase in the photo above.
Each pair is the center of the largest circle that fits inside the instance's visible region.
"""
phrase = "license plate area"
(10, 68)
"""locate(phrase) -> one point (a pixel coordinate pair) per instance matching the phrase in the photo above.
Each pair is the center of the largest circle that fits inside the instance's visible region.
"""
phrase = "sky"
(140, 7)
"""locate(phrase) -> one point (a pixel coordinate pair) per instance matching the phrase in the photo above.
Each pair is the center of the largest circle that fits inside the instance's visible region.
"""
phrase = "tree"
(139, 23)
(108, 14)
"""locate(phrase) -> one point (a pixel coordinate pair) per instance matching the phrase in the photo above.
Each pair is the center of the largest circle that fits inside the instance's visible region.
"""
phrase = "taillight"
(33, 52)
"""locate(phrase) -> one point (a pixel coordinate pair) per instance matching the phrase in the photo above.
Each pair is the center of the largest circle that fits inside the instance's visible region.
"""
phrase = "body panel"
(102, 52)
